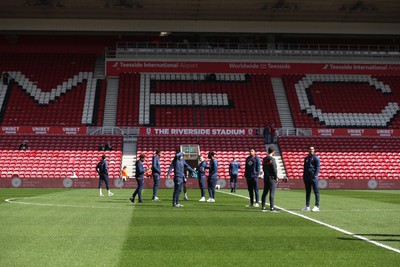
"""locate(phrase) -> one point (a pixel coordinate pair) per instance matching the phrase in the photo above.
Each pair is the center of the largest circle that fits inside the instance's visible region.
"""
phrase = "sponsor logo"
(372, 184)
(326, 132)
(16, 182)
(40, 130)
(221, 183)
(10, 130)
(118, 183)
(169, 183)
(385, 132)
(67, 182)
(355, 67)
(322, 184)
(71, 130)
(355, 132)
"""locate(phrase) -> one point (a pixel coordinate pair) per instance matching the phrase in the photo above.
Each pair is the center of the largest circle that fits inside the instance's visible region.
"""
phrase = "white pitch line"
(12, 200)
(327, 225)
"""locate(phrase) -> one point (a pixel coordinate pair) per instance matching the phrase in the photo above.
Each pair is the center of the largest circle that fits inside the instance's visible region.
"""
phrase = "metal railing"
(138, 49)
(125, 131)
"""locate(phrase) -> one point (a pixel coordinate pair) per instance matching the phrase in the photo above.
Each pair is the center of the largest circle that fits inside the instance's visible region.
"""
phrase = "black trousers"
(269, 186)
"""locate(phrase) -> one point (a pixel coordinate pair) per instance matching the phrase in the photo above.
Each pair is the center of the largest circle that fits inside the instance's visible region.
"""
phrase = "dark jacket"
(311, 167)
(140, 170)
(269, 167)
(155, 165)
(102, 167)
(234, 167)
(213, 169)
(253, 167)
(201, 169)
(178, 164)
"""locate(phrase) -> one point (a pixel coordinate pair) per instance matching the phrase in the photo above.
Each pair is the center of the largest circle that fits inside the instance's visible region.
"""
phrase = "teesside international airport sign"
(275, 69)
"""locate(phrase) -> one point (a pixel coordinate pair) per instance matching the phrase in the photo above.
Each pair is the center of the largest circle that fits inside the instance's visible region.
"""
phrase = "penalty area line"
(327, 225)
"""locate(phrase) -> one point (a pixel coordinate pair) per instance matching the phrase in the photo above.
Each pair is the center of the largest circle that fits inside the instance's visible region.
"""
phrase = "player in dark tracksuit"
(102, 170)
(270, 179)
(310, 178)
(201, 175)
(234, 167)
(139, 175)
(212, 176)
(156, 171)
(251, 173)
(178, 164)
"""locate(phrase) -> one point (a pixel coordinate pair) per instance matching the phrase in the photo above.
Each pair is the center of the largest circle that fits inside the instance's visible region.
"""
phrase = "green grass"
(76, 227)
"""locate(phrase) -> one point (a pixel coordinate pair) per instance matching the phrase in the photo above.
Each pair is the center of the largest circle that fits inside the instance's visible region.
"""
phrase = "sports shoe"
(101, 194)
(185, 197)
(250, 205)
(256, 205)
(306, 208)
(210, 200)
(202, 199)
(110, 194)
(132, 200)
(264, 210)
(155, 199)
(273, 210)
(316, 208)
(178, 205)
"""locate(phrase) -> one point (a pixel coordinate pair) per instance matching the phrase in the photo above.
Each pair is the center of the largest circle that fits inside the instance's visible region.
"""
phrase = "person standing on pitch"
(102, 170)
(201, 175)
(212, 176)
(270, 179)
(310, 178)
(139, 175)
(234, 167)
(178, 164)
(251, 173)
(156, 171)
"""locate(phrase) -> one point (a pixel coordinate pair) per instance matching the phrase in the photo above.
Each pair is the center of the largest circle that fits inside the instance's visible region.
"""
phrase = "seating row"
(344, 157)
(57, 156)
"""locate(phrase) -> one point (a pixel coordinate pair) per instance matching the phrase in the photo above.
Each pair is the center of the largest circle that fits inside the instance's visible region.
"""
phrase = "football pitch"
(76, 227)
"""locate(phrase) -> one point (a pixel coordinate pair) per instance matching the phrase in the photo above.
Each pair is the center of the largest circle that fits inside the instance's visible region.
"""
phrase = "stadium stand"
(51, 89)
(343, 100)
(196, 100)
(128, 100)
(344, 157)
(57, 156)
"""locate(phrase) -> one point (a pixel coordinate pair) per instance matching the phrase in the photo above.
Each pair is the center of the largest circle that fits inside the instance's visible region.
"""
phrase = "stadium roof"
(256, 14)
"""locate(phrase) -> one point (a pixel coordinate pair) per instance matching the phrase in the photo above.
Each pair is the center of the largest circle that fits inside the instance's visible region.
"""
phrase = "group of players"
(254, 168)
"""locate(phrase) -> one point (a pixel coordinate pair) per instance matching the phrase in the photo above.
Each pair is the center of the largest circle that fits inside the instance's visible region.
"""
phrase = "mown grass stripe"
(326, 224)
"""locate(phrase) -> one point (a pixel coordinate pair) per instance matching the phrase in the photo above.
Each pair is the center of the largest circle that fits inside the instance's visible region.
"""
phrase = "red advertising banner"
(193, 183)
(198, 131)
(356, 132)
(42, 130)
(275, 69)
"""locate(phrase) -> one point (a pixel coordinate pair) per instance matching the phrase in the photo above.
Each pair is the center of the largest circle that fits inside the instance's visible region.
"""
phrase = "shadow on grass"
(375, 237)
